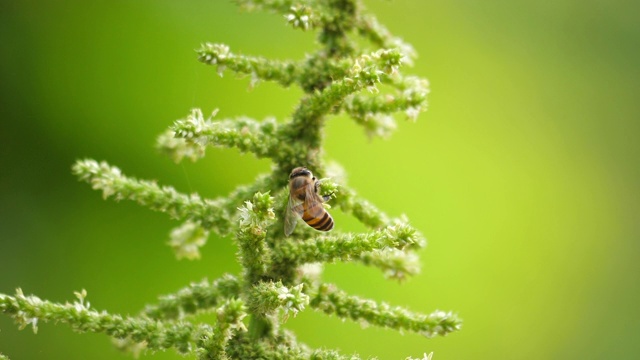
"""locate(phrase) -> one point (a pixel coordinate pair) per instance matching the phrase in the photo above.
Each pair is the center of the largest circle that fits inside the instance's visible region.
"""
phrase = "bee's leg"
(325, 198)
(316, 187)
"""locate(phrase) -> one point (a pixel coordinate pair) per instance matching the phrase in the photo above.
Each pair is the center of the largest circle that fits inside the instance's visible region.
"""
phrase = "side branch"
(29, 310)
(372, 112)
(283, 72)
(346, 246)
(195, 298)
(330, 300)
(244, 134)
(210, 214)
(410, 98)
(395, 264)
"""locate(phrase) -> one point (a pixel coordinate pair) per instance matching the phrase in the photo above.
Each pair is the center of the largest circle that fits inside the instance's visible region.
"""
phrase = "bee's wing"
(291, 215)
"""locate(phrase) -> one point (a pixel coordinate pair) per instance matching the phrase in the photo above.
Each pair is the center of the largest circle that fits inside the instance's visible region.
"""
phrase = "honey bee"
(305, 202)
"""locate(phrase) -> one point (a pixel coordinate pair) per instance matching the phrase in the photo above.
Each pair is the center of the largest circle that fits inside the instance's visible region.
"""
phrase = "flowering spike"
(187, 239)
(330, 300)
(245, 134)
(280, 276)
(197, 297)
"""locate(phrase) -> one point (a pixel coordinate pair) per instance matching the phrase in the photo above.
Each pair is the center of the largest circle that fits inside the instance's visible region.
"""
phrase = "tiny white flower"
(412, 113)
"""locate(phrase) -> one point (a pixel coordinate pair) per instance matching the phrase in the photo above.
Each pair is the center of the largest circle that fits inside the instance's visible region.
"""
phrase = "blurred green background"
(523, 174)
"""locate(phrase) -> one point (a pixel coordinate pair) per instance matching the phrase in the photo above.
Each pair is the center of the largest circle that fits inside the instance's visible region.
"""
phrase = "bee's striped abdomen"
(318, 218)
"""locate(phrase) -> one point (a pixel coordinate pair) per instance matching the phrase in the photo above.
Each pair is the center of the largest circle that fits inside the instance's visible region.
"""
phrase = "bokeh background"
(523, 174)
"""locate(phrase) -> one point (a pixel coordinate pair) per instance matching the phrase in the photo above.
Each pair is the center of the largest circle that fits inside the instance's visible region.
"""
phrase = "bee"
(305, 202)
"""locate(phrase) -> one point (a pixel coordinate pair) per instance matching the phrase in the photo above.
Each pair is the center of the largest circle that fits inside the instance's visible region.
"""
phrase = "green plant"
(281, 275)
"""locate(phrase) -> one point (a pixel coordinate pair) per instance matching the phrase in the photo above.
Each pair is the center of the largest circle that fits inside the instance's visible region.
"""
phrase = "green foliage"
(281, 276)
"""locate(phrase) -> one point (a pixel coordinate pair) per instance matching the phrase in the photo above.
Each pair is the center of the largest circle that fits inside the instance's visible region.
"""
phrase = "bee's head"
(300, 171)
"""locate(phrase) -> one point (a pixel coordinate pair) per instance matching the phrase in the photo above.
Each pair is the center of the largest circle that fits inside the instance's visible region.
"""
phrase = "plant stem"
(259, 327)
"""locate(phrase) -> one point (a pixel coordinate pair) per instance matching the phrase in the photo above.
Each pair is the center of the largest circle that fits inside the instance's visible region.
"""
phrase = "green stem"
(259, 327)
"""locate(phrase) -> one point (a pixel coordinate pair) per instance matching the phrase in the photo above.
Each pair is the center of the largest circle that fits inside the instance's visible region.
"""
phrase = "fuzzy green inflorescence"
(281, 275)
